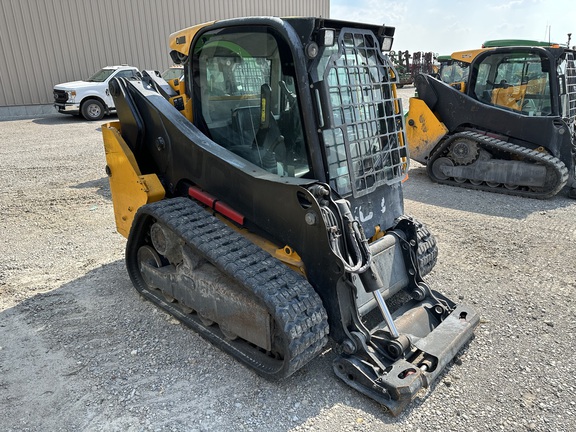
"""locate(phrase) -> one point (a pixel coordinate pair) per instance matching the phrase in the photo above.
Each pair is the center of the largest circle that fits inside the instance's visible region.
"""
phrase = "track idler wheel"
(205, 320)
(437, 167)
(147, 255)
(228, 334)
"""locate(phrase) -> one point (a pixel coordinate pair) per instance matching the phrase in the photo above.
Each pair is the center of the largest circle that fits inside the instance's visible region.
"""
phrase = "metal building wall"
(46, 42)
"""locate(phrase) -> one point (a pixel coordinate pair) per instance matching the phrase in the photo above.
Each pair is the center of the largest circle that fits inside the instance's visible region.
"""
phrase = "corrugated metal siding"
(46, 42)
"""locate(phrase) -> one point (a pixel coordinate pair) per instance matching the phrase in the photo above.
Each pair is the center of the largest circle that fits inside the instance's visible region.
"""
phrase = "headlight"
(387, 43)
(326, 37)
(71, 95)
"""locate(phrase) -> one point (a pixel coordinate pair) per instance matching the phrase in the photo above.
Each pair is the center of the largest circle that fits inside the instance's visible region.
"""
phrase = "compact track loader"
(452, 72)
(511, 128)
(263, 207)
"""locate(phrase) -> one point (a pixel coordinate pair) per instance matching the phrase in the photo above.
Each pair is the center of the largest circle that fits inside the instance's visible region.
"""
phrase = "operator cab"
(246, 98)
(328, 112)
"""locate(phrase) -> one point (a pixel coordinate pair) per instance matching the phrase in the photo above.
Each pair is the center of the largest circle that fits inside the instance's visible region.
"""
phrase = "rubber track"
(502, 146)
(427, 247)
(295, 307)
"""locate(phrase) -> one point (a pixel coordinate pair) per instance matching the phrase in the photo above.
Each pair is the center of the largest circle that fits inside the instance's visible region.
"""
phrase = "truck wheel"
(92, 109)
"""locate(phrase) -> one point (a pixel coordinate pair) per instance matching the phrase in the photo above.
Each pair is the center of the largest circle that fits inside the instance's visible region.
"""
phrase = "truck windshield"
(101, 75)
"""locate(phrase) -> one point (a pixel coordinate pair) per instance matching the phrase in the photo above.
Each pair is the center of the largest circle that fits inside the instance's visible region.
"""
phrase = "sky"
(446, 26)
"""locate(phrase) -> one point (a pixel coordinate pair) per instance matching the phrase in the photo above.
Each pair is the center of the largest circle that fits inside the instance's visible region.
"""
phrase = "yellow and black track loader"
(263, 206)
(511, 127)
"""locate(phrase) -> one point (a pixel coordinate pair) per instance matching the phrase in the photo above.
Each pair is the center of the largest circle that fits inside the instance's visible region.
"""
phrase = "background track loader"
(511, 128)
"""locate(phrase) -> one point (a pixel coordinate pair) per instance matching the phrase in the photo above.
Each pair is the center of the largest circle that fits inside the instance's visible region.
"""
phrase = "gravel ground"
(80, 350)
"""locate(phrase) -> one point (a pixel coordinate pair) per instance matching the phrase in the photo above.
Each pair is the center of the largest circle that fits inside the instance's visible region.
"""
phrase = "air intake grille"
(60, 96)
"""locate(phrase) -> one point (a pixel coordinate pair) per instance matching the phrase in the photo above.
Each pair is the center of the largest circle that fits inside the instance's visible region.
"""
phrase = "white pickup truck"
(91, 98)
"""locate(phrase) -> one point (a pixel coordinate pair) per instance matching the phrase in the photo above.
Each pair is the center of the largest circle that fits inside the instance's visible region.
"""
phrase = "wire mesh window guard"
(365, 142)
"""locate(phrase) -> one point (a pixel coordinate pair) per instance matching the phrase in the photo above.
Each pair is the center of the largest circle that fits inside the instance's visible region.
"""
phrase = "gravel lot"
(80, 350)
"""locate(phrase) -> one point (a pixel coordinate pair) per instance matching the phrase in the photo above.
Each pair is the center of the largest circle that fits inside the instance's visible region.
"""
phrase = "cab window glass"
(453, 72)
(248, 100)
(126, 74)
(516, 81)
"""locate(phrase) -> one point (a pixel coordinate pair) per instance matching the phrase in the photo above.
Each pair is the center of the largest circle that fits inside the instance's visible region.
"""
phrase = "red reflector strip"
(219, 206)
(201, 196)
(229, 212)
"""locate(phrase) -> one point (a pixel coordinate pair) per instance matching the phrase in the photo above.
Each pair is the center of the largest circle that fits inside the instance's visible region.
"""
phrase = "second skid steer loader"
(509, 128)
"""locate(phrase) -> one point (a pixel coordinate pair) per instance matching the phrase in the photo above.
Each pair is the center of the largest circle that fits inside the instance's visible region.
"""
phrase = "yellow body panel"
(129, 188)
(423, 130)
(187, 102)
(511, 97)
(467, 56)
(175, 84)
(180, 41)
